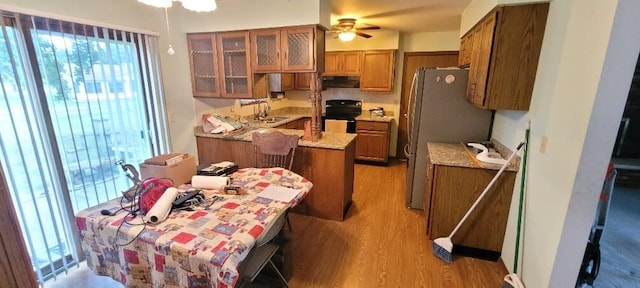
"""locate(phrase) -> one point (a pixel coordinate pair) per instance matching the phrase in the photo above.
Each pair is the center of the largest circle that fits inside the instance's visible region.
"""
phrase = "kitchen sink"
(275, 119)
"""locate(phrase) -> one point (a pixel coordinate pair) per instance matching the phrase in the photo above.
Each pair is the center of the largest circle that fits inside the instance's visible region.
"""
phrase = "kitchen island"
(328, 164)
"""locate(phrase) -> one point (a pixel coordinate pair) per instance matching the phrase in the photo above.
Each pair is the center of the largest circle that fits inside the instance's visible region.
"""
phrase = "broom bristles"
(442, 248)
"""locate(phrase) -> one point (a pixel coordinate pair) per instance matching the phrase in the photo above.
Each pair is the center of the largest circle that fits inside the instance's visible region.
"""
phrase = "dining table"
(202, 246)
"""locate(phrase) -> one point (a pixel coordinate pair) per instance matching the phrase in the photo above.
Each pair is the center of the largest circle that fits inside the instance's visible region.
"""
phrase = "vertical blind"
(74, 99)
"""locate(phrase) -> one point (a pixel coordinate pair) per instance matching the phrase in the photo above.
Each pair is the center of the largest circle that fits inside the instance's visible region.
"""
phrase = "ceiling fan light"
(199, 5)
(157, 3)
(347, 36)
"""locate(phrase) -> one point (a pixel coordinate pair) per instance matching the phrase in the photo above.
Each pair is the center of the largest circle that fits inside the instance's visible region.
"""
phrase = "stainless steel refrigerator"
(438, 112)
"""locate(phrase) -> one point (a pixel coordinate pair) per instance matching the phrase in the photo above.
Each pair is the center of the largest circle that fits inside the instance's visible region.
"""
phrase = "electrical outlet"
(172, 118)
(543, 144)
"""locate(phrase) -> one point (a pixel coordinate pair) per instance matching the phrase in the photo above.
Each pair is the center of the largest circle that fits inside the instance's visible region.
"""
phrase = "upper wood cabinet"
(466, 45)
(220, 65)
(302, 81)
(377, 70)
(291, 49)
(203, 58)
(505, 48)
(342, 63)
(235, 66)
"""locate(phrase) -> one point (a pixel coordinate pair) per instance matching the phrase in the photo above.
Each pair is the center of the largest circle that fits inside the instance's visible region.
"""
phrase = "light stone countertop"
(456, 154)
(364, 117)
(337, 141)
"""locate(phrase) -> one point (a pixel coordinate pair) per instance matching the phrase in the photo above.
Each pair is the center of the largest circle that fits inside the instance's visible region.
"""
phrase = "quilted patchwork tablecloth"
(199, 248)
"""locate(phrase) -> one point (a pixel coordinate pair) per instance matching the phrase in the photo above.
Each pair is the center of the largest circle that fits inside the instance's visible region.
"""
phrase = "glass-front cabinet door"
(233, 49)
(204, 65)
(298, 49)
(265, 52)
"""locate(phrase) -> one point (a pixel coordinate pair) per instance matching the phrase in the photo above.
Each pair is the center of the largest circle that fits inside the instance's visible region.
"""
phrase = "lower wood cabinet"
(295, 124)
(372, 143)
(330, 170)
(450, 192)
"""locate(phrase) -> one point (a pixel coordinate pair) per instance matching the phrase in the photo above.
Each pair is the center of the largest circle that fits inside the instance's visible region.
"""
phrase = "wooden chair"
(274, 149)
(262, 252)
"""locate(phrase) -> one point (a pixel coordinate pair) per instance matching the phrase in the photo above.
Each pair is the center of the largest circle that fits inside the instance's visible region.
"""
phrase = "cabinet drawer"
(372, 125)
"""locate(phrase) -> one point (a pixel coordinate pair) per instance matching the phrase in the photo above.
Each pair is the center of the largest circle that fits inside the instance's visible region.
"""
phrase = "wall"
(431, 41)
(578, 97)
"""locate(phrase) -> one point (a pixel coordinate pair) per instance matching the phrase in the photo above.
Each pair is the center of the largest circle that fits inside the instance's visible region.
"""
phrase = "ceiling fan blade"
(372, 27)
(363, 35)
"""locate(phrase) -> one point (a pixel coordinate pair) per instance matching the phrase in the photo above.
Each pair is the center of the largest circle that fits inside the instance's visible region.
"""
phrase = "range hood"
(340, 82)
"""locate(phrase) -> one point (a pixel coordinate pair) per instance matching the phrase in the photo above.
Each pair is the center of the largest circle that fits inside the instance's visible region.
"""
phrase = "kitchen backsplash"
(232, 107)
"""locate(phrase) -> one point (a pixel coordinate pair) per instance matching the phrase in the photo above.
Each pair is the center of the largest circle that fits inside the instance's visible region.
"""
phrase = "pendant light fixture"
(193, 5)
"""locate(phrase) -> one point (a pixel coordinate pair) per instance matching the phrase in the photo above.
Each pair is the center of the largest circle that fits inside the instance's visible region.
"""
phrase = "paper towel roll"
(162, 207)
(209, 182)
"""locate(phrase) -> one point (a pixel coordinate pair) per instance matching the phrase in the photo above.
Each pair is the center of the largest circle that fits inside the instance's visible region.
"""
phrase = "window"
(92, 87)
(65, 123)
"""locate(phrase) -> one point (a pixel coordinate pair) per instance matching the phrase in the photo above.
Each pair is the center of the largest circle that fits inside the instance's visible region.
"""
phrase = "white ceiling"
(406, 16)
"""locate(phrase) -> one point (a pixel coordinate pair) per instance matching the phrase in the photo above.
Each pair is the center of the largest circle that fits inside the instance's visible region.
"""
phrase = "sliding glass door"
(74, 100)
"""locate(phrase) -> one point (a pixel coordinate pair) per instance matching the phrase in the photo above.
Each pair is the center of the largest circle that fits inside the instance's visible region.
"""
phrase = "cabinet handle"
(277, 54)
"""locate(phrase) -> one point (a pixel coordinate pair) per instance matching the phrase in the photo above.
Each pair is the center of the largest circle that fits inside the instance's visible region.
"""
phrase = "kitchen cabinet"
(505, 48)
(297, 124)
(303, 81)
(330, 170)
(342, 63)
(220, 65)
(377, 70)
(288, 49)
(454, 181)
(372, 143)
(466, 45)
(281, 81)
(203, 61)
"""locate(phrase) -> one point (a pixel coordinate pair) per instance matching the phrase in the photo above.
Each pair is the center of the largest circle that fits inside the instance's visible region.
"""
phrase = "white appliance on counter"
(438, 111)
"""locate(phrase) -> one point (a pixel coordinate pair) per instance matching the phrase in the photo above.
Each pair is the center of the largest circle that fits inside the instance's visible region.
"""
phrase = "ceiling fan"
(347, 31)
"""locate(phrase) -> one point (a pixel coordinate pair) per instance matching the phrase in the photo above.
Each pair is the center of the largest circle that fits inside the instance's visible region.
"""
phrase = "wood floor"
(380, 244)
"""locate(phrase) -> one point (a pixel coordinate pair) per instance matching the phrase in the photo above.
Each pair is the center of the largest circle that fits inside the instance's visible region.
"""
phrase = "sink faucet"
(263, 113)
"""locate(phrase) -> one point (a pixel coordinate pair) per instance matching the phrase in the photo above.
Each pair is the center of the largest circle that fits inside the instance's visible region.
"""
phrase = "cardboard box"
(180, 171)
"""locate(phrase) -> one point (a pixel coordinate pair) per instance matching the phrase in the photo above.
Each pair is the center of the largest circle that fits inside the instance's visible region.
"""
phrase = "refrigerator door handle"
(412, 95)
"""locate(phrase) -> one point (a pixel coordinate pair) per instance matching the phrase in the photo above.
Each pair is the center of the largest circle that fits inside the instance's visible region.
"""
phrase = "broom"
(442, 247)
(512, 280)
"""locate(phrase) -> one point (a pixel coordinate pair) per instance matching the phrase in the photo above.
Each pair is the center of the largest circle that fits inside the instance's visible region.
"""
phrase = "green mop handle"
(520, 204)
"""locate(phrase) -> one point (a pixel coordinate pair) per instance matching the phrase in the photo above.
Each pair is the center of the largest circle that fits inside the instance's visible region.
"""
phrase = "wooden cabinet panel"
(235, 69)
(220, 65)
(504, 56)
(370, 147)
(265, 50)
(345, 63)
(303, 81)
(332, 63)
(453, 191)
(466, 46)
(287, 81)
(298, 49)
(203, 61)
(293, 49)
(377, 71)
(480, 60)
(331, 171)
(372, 143)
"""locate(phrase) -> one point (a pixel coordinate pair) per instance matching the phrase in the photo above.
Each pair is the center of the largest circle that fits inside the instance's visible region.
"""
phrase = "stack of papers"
(279, 193)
